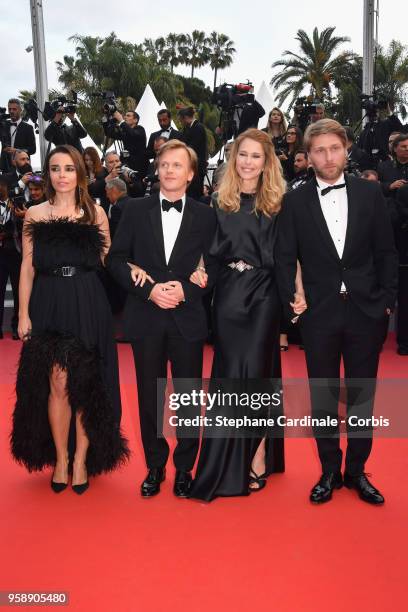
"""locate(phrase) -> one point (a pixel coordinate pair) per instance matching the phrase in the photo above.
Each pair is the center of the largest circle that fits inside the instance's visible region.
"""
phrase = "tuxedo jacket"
(174, 134)
(25, 139)
(139, 239)
(196, 138)
(368, 267)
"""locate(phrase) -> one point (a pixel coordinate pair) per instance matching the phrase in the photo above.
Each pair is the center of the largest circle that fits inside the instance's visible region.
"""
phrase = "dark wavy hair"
(82, 198)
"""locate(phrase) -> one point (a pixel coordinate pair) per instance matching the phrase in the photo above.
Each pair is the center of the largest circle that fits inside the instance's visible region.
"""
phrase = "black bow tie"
(13, 124)
(177, 205)
(328, 189)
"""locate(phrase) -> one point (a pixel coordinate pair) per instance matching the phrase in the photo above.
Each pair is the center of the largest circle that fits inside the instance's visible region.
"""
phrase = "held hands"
(199, 277)
(139, 276)
(299, 304)
(24, 328)
(398, 184)
(117, 115)
(167, 295)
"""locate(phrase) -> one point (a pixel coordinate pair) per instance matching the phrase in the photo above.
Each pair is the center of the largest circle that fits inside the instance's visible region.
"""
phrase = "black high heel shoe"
(259, 479)
(81, 488)
(58, 487)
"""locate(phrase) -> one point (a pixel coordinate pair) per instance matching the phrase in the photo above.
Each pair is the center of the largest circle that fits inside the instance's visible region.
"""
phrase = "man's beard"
(330, 174)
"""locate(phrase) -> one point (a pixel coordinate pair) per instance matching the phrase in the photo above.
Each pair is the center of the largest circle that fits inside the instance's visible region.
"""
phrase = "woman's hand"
(299, 305)
(139, 276)
(199, 277)
(24, 328)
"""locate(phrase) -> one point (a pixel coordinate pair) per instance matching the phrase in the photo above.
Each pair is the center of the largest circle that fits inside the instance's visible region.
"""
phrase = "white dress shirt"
(171, 222)
(13, 131)
(335, 211)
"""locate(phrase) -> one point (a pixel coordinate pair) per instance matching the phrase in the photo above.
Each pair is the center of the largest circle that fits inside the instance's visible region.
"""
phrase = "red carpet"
(113, 551)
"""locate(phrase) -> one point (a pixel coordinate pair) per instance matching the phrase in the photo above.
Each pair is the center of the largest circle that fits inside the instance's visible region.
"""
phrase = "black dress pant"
(402, 315)
(349, 334)
(151, 354)
(10, 264)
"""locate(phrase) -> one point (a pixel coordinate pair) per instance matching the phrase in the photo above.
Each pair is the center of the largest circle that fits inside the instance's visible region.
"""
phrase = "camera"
(109, 107)
(61, 104)
(229, 98)
(304, 109)
(372, 104)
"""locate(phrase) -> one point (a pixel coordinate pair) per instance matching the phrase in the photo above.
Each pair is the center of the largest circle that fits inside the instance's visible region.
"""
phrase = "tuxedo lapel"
(157, 228)
(352, 214)
(317, 213)
(184, 230)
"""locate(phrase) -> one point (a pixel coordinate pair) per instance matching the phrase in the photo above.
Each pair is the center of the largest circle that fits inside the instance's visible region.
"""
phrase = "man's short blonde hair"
(324, 126)
(172, 145)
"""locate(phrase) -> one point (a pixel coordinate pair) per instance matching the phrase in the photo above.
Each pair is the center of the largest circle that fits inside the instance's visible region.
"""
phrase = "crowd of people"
(293, 238)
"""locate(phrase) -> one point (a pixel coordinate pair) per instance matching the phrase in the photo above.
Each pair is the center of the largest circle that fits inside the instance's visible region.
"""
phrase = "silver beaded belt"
(240, 265)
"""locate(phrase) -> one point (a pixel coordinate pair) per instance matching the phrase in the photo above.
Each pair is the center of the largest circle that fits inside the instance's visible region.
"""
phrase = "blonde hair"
(324, 126)
(271, 185)
(173, 144)
(282, 126)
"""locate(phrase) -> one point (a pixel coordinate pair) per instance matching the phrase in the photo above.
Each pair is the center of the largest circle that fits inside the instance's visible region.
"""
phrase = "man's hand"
(113, 174)
(175, 289)
(26, 177)
(299, 305)
(71, 116)
(20, 212)
(398, 184)
(11, 150)
(160, 296)
(116, 115)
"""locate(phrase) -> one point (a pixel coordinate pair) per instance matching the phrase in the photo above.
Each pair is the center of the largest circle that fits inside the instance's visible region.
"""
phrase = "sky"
(260, 29)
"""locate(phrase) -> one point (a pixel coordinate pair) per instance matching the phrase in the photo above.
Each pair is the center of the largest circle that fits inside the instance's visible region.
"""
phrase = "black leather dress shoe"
(151, 484)
(364, 488)
(322, 492)
(182, 484)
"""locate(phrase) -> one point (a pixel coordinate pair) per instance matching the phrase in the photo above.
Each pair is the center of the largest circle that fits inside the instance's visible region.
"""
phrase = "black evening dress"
(246, 321)
(71, 328)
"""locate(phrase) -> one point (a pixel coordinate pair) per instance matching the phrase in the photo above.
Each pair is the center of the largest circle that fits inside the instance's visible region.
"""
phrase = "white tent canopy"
(265, 98)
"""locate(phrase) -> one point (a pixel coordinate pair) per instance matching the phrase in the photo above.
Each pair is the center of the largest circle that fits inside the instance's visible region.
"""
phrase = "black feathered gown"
(246, 347)
(71, 327)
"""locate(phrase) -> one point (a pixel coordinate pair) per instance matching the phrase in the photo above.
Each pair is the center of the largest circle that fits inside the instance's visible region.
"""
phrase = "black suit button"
(170, 271)
(344, 268)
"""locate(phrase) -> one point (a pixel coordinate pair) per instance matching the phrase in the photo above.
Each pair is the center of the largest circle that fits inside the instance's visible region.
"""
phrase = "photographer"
(10, 254)
(36, 189)
(401, 241)
(132, 135)
(293, 141)
(320, 113)
(15, 134)
(166, 132)
(393, 173)
(357, 159)
(20, 174)
(251, 113)
(114, 169)
(195, 136)
(59, 133)
(303, 173)
(374, 137)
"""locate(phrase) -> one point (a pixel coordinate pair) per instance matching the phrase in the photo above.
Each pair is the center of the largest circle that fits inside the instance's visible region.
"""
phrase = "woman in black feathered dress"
(68, 401)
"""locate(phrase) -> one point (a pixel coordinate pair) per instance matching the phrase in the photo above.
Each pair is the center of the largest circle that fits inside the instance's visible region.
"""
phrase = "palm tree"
(221, 50)
(193, 50)
(172, 50)
(315, 67)
(391, 75)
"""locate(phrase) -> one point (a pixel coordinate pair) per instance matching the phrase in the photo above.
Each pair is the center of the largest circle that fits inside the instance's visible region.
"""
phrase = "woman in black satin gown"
(246, 312)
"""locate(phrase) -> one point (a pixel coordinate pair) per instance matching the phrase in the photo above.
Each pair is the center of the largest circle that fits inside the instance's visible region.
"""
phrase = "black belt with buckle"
(67, 271)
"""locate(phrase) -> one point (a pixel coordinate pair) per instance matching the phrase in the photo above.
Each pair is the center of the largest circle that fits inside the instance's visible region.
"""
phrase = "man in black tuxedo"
(17, 134)
(166, 131)
(195, 136)
(339, 229)
(166, 235)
